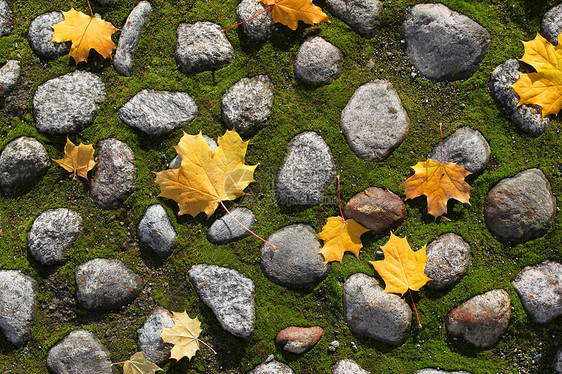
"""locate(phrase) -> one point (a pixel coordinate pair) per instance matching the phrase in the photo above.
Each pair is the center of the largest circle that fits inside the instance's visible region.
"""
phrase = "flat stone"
(9, 74)
(372, 313)
(557, 363)
(272, 367)
(52, 234)
(68, 103)
(307, 171)
(376, 209)
(540, 289)
(444, 45)
(520, 208)
(363, 16)
(528, 118)
(437, 371)
(103, 284)
(149, 341)
(40, 36)
(79, 352)
(230, 296)
(156, 232)
(448, 260)
(299, 339)
(374, 122)
(246, 106)
(465, 147)
(202, 46)
(158, 113)
(481, 320)
(551, 24)
(116, 174)
(259, 29)
(348, 366)
(22, 161)
(6, 25)
(18, 303)
(226, 230)
(176, 161)
(296, 261)
(318, 62)
(130, 37)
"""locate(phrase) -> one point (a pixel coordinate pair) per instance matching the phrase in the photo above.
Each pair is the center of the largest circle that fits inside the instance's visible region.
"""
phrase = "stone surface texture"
(437, 371)
(40, 36)
(272, 367)
(9, 74)
(348, 366)
(557, 363)
(448, 260)
(22, 161)
(259, 29)
(226, 230)
(156, 232)
(318, 62)
(18, 303)
(551, 24)
(363, 16)
(149, 341)
(299, 339)
(130, 37)
(6, 24)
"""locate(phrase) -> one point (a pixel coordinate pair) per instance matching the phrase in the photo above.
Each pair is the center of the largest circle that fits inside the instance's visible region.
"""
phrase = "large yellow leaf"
(183, 335)
(402, 268)
(205, 178)
(290, 12)
(85, 33)
(439, 182)
(77, 159)
(138, 364)
(544, 87)
(339, 236)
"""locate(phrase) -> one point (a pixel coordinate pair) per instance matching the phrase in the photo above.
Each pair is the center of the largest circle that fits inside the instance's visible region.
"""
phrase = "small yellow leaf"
(339, 236)
(183, 335)
(77, 159)
(290, 12)
(138, 364)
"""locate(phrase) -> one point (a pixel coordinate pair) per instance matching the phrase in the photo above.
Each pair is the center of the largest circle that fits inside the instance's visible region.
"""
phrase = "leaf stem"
(415, 309)
(245, 228)
(441, 132)
(119, 363)
(207, 345)
(249, 19)
(90, 6)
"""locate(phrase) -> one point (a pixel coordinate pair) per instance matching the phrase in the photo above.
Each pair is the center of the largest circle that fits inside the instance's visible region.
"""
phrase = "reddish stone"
(299, 339)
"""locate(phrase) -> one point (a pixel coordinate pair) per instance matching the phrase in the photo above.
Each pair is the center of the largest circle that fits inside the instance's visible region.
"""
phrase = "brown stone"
(376, 209)
(299, 339)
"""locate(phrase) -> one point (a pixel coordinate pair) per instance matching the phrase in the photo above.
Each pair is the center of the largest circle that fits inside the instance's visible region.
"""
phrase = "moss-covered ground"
(111, 234)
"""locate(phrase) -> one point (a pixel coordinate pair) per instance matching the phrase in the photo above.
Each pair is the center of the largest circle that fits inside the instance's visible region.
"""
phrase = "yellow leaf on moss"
(138, 364)
(290, 12)
(77, 159)
(339, 236)
(183, 336)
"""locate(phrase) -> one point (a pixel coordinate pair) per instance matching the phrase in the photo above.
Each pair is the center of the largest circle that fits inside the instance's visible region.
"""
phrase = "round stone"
(298, 340)
(130, 37)
(557, 363)
(448, 260)
(6, 25)
(318, 62)
(258, 29)
(40, 36)
(156, 232)
(18, 303)
(79, 352)
(363, 16)
(551, 24)
(226, 230)
(22, 162)
(347, 366)
(9, 74)
(149, 341)
(272, 367)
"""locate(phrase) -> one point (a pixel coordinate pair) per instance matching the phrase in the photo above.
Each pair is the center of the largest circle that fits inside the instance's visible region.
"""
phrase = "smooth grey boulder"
(551, 24)
(40, 36)
(9, 74)
(52, 234)
(68, 103)
(363, 16)
(158, 113)
(520, 208)
(156, 232)
(116, 174)
(528, 118)
(79, 352)
(437, 371)
(6, 25)
(557, 363)
(307, 171)
(444, 45)
(272, 367)
(226, 230)
(103, 284)
(259, 29)
(18, 303)
(374, 122)
(318, 62)
(448, 260)
(246, 105)
(372, 313)
(202, 46)
(176, 161)
(540, 289)
(295, 262)
(348, 366)
(130, 37)
(149, 341)
(230, 296)
(22, 161)
(466, 147)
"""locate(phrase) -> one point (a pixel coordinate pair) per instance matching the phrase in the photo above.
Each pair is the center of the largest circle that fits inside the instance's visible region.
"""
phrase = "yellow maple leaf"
(290, 12)
(85, 33)
(77, 159)
(402, 268)
(184, 335)
(439, 182)
(205, 178)
(138, 364)
(339, 236)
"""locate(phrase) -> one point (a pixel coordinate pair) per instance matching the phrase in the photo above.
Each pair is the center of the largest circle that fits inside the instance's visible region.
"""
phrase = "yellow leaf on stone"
(77, 159)
(290, 12)
(339, 236)
(138, 364)
(183, 335)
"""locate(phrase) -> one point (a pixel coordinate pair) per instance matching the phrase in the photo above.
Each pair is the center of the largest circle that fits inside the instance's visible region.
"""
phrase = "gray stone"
(448, 260)
(444, 45)
(103, 284)
(149, 341)
(156, 232)
(307, 171)
(6, 24)
(52, 234)
(79, 352)
(18, 303)
(158, 113)
(40, 36)
(334, 345)
(481, 320)
(465, 147)
(527, 117)
(116, 174)
(520, 208)
(557, 363)
(551, 24)
(202, 46)
(374, 122)
(540, 289)
(347, 366)
(247, 105)
(22, 162)
(437, 371)
(363, 16)
(230, 296)
(272, 367)
(9, 74)
(296, 261)
(176, 161)
(318, 62)
(259, 29)
(372, 313)
(68, 103)
(105, 2)
(226, 229)
(130, 37)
